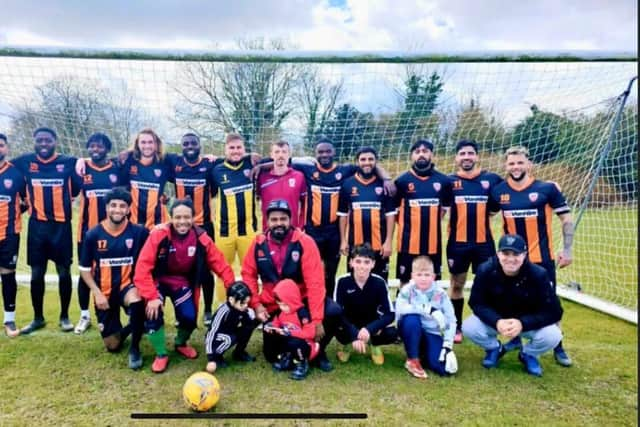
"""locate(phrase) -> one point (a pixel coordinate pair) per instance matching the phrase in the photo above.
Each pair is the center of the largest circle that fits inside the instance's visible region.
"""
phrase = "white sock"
(9, 316)
(85, 313)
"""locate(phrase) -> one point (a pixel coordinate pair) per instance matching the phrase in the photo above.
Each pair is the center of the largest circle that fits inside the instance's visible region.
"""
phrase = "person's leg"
(433, 346)
(84, 295)
(410, 329)
(243, 334)
(8, 257)
(387, 335)
(486, 337)
(381, 267)
(300, 351)
(185, 310)
(65, 287)
(135, 307)
(331, 323)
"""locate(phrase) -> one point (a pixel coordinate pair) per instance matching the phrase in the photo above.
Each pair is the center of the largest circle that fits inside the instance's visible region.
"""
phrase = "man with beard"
(12, 196)
(282, 182)
(108, 258)
(284, 252)
(423, 194)
(190, 175)
(527, 205)
(100, 176)
(51, 183)
(366, 213)
(470, 240)
(324, 179)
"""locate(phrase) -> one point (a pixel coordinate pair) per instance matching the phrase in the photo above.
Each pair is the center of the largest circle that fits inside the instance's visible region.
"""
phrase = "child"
(425, 313)
(296, 345)
(367, 310)
(232, 323)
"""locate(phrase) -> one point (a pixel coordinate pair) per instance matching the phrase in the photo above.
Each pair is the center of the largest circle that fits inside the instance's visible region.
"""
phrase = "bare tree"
(317, 100)
(252, 98)
(76, 108)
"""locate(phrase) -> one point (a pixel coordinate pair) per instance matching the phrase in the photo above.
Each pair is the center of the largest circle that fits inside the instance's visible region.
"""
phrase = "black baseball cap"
(279, 205)
(512, 242)
(422, 142)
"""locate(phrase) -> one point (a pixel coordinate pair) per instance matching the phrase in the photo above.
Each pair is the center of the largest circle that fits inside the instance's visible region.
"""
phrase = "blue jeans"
(540, 340)
(420, 344)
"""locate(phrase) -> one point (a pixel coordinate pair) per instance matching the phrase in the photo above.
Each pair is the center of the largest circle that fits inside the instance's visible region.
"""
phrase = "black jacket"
(528, 297)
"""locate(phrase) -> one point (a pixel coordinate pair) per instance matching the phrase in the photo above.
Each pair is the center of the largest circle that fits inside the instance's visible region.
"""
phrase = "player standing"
(422, 196)
(100, 176)
(12, 193)
(470, 240)
(51, 183)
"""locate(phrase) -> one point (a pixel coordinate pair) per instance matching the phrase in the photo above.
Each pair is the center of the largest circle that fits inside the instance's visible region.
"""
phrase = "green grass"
(53, 378)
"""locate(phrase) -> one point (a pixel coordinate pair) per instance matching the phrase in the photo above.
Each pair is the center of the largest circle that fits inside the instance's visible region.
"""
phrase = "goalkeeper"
(426, 322)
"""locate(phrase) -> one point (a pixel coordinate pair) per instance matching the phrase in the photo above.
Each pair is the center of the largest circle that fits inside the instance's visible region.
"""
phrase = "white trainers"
(83, 324)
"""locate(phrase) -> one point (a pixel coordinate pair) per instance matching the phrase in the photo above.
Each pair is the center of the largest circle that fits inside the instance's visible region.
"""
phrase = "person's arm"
(313, 277)
(387, 182)
(390, 218)
(450, 316)
(479, 301)
(86, 260)
(545, 304)
(564, 256)
(403, 306)
(386, 314)
(343, 221)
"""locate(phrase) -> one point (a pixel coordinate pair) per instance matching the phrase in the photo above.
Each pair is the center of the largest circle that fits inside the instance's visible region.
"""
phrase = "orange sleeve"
(249, 274)
(143, 277)
(216, 261)
(313, 276)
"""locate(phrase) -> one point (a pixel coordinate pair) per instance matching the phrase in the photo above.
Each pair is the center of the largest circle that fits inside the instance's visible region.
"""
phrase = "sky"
(325, 24)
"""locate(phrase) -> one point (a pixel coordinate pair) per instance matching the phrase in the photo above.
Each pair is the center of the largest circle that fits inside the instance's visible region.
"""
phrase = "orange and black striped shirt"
(323, 192)
(96, 183)
(193, 180)
(367, 207)
(146, 183)
(51, 184)
(469, 217)
(528, 212)
(420, 200)
(111, 257)
(12, 191)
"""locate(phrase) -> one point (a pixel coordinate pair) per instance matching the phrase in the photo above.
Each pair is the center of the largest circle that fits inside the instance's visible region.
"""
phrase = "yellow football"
(201, 391)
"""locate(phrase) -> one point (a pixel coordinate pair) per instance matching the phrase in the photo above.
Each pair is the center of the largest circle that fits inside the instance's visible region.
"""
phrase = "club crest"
(378, 190)
(191, 251)
(113, 178)
(129, 243)
(533, 196)
(485, 184)
(292, 182)
(157, 172)
(8, 183)
(295, 256)
(437, 186)
(246, 173)
(60, 168)
(338, 176)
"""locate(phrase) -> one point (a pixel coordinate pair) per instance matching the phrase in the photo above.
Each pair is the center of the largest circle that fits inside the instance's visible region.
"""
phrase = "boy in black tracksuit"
(231, 324)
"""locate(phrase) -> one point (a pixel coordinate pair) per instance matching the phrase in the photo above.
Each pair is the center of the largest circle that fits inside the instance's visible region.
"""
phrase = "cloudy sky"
(325, 24)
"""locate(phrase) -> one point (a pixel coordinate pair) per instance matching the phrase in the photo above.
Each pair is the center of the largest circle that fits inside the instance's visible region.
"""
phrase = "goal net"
(572, 114)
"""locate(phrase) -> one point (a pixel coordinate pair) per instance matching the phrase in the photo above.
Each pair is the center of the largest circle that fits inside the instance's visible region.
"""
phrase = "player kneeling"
(427, 322)
(109, 253)
(231, 324)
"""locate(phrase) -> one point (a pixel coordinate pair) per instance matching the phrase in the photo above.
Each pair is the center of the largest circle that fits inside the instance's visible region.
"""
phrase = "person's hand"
(363, 335)
(359, 346)
(101, 301)
(284, 331)
(255, 171)
(261, 313)
(438, 316)
(386, 249)
(344, 248)
(389, 188)
(319, 332)
(509, 328)
(564, 258)
(80, 166)
(255, 158)
(211, 367)
(153, 309)
(123, 156)
(210, 157)
(448, 357)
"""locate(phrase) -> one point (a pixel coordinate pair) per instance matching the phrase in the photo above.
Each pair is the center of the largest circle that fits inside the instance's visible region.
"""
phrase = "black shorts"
(403, 266)
(49, 240)
(460, 255)
(109, 320)
(9, 248)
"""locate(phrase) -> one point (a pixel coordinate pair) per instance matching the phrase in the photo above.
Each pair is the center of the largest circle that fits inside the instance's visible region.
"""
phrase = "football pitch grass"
(56, 378)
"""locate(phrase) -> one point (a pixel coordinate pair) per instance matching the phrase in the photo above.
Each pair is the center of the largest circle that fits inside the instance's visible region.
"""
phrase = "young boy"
(366, 309)
(296, 345)
(231, 324)
(425, 314)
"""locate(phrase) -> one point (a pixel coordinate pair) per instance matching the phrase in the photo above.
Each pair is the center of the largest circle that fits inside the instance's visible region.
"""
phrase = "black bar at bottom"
(252, 416)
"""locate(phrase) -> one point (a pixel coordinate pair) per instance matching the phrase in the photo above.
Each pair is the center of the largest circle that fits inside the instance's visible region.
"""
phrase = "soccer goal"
(576, 112)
